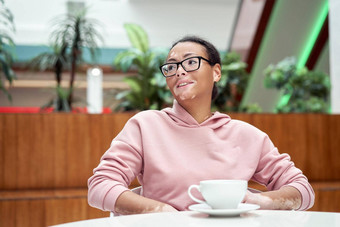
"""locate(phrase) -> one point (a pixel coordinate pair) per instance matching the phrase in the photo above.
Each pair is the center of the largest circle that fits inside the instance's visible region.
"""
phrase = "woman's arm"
(287, 187)
(131, 203)
(286, 198)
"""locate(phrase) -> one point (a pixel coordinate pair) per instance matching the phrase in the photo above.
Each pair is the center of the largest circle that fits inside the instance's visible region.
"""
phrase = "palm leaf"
(134, 84)
(7, 17)
(138, 37)
(144, 88)
(7, 71)
(77, 34)
(124, 60)
(6, 55)
(5, 39)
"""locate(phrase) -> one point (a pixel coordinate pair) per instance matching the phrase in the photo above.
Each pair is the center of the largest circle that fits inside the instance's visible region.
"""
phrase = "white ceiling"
(164, 21)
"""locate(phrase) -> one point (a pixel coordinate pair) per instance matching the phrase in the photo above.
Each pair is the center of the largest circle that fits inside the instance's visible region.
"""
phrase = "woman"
(171, 149)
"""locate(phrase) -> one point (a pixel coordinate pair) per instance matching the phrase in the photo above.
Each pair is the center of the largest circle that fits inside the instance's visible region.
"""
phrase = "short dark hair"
(213, 54)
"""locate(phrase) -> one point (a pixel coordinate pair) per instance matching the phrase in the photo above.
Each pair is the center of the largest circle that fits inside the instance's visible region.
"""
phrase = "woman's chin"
(185, 97)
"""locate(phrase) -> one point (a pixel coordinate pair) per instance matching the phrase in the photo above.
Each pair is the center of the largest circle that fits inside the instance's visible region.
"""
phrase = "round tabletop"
(263, 218)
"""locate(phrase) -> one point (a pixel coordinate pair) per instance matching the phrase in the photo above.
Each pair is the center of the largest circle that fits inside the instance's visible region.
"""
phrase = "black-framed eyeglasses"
(188, 64)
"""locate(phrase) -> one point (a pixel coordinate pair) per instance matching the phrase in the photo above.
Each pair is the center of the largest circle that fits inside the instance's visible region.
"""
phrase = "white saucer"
(242, 208)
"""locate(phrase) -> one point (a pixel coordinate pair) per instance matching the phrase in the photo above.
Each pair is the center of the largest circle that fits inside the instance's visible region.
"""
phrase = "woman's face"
(195, 84)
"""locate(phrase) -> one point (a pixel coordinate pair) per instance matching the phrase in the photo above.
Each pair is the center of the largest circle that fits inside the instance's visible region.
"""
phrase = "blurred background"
(63, 59)
(265, 40)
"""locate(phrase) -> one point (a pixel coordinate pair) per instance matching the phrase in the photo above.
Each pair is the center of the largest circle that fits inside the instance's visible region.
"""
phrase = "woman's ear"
(217, 72)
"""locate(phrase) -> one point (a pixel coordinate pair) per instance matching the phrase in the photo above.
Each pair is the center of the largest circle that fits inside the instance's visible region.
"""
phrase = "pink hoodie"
(169, 151)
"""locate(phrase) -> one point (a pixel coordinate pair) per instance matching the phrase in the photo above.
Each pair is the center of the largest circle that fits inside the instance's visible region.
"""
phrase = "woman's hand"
(131, 203)
(286, 198)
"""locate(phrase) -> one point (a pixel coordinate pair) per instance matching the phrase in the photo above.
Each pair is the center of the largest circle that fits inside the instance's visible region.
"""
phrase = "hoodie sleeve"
(276, 170)
(118, 167)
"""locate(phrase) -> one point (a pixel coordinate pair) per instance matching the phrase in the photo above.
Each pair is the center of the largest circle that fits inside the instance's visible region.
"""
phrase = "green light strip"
(309, 45)
(260, 52)
(313, 37)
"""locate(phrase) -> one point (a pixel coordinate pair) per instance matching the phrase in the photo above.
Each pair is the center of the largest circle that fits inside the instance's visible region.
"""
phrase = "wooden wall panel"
(8, 152)
(242, 117)
(98, 133)
(327, 200)
(54, 150)
(292, 139)
(46, 212)
(28, 137)
(334, 146)
(61, 150)
(65, 210)
(2, 154)
(327, 196)
(310, 139)
(318, 147)
(30, 213)
(7, 213)
(47, 151)
(269, 124)
(78, 149)
(58, 207)
(58, 151)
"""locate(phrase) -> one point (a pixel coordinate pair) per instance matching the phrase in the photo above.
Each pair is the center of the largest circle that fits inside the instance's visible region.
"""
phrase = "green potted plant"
(55, 59)
(307, 91)
(6, 47)
(72, 35)
(233, 83)
(148, 89)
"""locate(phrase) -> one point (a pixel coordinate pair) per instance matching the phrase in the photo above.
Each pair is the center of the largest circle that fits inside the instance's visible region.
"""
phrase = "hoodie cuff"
(112, 196)
(307, 200)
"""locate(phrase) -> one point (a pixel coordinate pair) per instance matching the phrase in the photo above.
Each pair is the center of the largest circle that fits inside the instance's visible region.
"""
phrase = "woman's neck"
(200, 111)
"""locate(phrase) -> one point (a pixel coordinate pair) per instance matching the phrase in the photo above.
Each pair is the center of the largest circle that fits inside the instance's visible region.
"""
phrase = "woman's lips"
(182, 84)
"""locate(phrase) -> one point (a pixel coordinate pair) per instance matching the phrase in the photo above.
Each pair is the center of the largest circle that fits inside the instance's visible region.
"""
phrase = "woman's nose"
(180, 71)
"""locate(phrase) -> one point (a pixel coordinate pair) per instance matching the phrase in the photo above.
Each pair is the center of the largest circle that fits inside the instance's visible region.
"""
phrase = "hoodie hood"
(181, 117)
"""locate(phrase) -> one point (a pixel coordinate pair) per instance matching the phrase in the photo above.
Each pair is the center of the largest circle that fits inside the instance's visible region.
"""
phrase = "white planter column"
(334, 49)
(95, 90)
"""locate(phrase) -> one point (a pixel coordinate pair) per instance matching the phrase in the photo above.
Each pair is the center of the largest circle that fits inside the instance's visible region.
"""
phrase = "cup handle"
(192, 197)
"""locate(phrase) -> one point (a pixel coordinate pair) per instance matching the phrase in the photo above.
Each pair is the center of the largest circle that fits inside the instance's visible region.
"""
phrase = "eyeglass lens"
(188, 65)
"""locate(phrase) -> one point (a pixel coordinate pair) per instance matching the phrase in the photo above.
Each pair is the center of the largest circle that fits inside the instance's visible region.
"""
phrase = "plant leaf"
(134, 83)
(138, 37)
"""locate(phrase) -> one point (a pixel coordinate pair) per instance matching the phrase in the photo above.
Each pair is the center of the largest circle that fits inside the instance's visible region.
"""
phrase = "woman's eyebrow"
(171, 59)
(185, 56)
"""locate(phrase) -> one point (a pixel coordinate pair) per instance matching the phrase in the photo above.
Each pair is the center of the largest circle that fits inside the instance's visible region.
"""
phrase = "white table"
(261, 218)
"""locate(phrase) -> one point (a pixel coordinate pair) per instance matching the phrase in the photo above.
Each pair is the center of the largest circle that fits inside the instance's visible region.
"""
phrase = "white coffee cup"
(220, 194)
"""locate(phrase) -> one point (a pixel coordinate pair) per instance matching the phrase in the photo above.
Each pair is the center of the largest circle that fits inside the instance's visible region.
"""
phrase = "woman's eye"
(191, 62)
